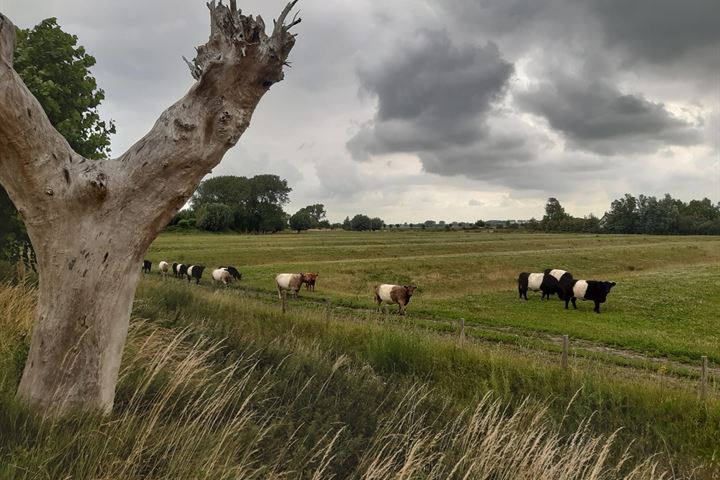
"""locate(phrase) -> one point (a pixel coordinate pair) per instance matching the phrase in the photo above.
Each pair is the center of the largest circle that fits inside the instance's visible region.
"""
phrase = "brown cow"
(310, 279)
(399, 294)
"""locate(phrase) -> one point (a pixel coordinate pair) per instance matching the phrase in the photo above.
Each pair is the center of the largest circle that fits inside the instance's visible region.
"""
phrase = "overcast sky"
(441, 109)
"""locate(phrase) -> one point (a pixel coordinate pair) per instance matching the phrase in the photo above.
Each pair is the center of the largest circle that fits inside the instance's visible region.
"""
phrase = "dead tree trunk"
(92, 221)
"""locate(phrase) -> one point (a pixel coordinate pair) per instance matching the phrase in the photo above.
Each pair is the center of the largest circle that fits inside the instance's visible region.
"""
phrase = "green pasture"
(666, 302)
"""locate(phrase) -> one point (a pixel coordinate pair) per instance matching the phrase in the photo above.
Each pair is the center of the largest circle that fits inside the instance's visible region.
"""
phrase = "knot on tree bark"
(235, 37)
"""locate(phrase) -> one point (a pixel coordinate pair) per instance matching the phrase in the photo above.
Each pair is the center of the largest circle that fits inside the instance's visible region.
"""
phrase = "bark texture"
(92, 221)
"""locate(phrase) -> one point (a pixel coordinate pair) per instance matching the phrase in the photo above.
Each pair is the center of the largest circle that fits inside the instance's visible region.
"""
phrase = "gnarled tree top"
(234, 36)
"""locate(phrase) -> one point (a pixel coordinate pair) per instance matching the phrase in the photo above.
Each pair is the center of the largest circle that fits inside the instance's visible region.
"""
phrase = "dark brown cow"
(394, 294)
(310, 279)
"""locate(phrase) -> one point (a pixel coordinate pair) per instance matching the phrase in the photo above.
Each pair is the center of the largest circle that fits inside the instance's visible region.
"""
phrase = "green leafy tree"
(14, 241)
(229, 190)
(57, 72)
(214, 217)
(302, 220)
(317, 212)
(360, 223)
(187, 215)
(347, 224)
(555, 219)
(623, 216)
(376, 223)
(256, 203)
(272, 219)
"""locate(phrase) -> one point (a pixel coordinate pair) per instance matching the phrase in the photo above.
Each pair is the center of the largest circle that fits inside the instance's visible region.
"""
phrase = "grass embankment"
(300, 396)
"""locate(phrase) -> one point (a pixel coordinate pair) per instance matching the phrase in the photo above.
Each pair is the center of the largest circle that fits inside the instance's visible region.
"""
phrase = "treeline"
(256, 205)
(362, 223)
(644, 214)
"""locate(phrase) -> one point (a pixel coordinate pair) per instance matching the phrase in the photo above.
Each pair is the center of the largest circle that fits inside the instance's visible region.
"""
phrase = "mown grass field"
(666, 302)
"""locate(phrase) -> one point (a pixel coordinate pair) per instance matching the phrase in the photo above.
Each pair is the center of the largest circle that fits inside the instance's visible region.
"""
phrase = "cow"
(222, 275)
(310, 282)
(233, 272)
(544, 282)
(182, 270)
(175, 269)
(290, 282)
(164, 268)
(147, 265)
(399, 294)
(195, 271)
(594, 290)
(565, 279)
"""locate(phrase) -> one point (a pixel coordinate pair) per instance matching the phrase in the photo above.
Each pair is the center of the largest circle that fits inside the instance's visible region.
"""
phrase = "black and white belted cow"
(182, 270)
(564, 278)
(195, 272)
(234, 272)
(147, 266)
(593, 290)
(544, 282)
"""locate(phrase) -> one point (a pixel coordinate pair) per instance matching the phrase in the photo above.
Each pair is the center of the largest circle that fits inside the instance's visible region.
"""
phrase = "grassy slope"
(297, 396)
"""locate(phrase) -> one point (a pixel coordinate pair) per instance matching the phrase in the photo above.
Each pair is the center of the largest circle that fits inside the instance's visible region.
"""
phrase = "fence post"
(703, 377)
(565, 348)
(462, 332)
(284, 301)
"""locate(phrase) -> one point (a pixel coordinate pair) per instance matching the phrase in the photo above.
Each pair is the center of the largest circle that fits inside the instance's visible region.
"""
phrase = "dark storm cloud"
(656, 31)
(659, 30)
(433, 99)
(596, 116)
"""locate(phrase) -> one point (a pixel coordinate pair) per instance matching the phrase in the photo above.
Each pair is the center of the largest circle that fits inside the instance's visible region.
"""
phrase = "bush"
(186, 223)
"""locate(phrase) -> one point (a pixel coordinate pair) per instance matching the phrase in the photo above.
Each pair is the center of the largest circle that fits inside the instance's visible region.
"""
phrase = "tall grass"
(189, 406)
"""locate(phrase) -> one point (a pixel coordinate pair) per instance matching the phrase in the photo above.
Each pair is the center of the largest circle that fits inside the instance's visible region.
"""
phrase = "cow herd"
(286, 282)
(561, 283)
(223, 275)
(550, 282)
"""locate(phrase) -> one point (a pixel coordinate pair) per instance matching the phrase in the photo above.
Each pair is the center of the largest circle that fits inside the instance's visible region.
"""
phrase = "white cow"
(222, 275)
(290, 282)
(164, 268)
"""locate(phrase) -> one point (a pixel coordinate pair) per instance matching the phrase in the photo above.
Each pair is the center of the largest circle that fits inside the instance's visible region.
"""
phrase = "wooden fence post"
(462, 332)
(703, 377)
(565, 348)
(284, 301)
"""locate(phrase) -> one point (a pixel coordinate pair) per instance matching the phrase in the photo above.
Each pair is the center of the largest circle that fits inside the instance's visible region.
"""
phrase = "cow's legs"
(597, 307)
(567, 301)
(279, 292)
(574, 299)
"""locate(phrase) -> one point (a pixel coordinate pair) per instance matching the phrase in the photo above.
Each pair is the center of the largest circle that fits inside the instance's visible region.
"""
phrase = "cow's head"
(410, 289)
(310, 278)
(607, 286)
